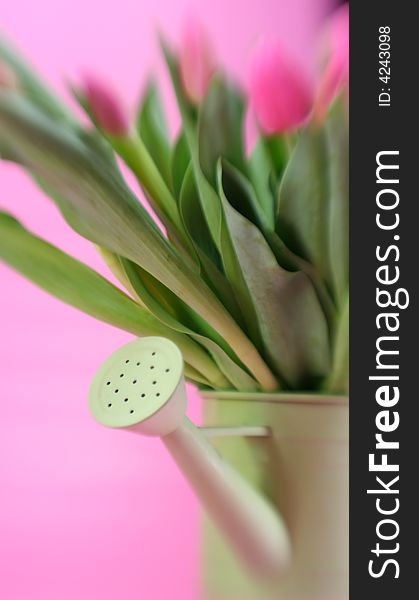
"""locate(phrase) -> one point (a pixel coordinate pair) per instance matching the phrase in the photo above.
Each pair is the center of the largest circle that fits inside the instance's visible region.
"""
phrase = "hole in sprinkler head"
(125, 399)
(116, 391)
(154, 382)
(131, 411)
(152, 367)
(134, 381)
(121, 375)
(108, 383)
(138, 364)
(153, 354)
(167, 370)
(110, 404)
(143, 395)
(158, 394)
(127, 361)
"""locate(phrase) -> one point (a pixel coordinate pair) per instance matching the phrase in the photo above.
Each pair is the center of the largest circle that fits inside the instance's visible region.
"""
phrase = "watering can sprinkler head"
(141, 388)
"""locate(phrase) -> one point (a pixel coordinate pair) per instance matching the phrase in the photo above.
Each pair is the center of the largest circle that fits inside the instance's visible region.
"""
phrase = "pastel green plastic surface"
(313, 429)
(135, 381)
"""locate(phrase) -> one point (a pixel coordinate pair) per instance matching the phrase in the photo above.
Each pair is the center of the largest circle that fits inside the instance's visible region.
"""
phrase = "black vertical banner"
(384, 223)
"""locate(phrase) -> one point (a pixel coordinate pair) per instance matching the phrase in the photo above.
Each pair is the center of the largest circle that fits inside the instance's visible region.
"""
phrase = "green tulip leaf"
(195, 377)
(242, 197)
(292, 328)
(210, 202)
(97, 204)
(32, 86)
(302, 218)
(261, 172)
(209, 257)
(194, 219)
(76, 284)
(277, 148)
(180, 161)
(338, 379)
(151, 127)
(338, 238)
(220, 124)
(169, 310)
(140, 155)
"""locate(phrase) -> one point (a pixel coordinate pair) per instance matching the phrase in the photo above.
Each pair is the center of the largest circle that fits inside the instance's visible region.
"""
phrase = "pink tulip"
(335, 75)
(280, 92)
(196, 59)
(8, 79)
(105, 107)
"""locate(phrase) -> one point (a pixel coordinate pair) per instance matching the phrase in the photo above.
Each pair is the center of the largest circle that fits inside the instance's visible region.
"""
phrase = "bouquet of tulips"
(241, 257)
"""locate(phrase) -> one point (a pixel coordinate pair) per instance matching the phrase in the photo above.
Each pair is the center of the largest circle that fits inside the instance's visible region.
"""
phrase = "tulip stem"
(289, 142)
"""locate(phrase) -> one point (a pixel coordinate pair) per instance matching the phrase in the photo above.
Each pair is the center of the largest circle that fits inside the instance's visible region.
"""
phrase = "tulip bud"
(335, 75)
(105, 107)
(8, 79)
(279, 90)
(196, 60)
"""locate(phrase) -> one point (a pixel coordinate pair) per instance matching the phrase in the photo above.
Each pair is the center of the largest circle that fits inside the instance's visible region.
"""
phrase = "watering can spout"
(247, 520)
(141, 388)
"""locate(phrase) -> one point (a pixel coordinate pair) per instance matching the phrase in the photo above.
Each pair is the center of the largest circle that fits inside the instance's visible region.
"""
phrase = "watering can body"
(304, 468)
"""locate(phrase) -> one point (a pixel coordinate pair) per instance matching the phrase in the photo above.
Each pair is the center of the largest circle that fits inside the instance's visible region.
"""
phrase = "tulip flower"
(105, 107)
(8, 79)
(196, 60)
(280, 92)
(335, 74)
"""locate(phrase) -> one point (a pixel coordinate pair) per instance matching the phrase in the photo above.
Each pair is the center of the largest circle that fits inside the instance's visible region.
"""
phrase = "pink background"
(87, 513)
